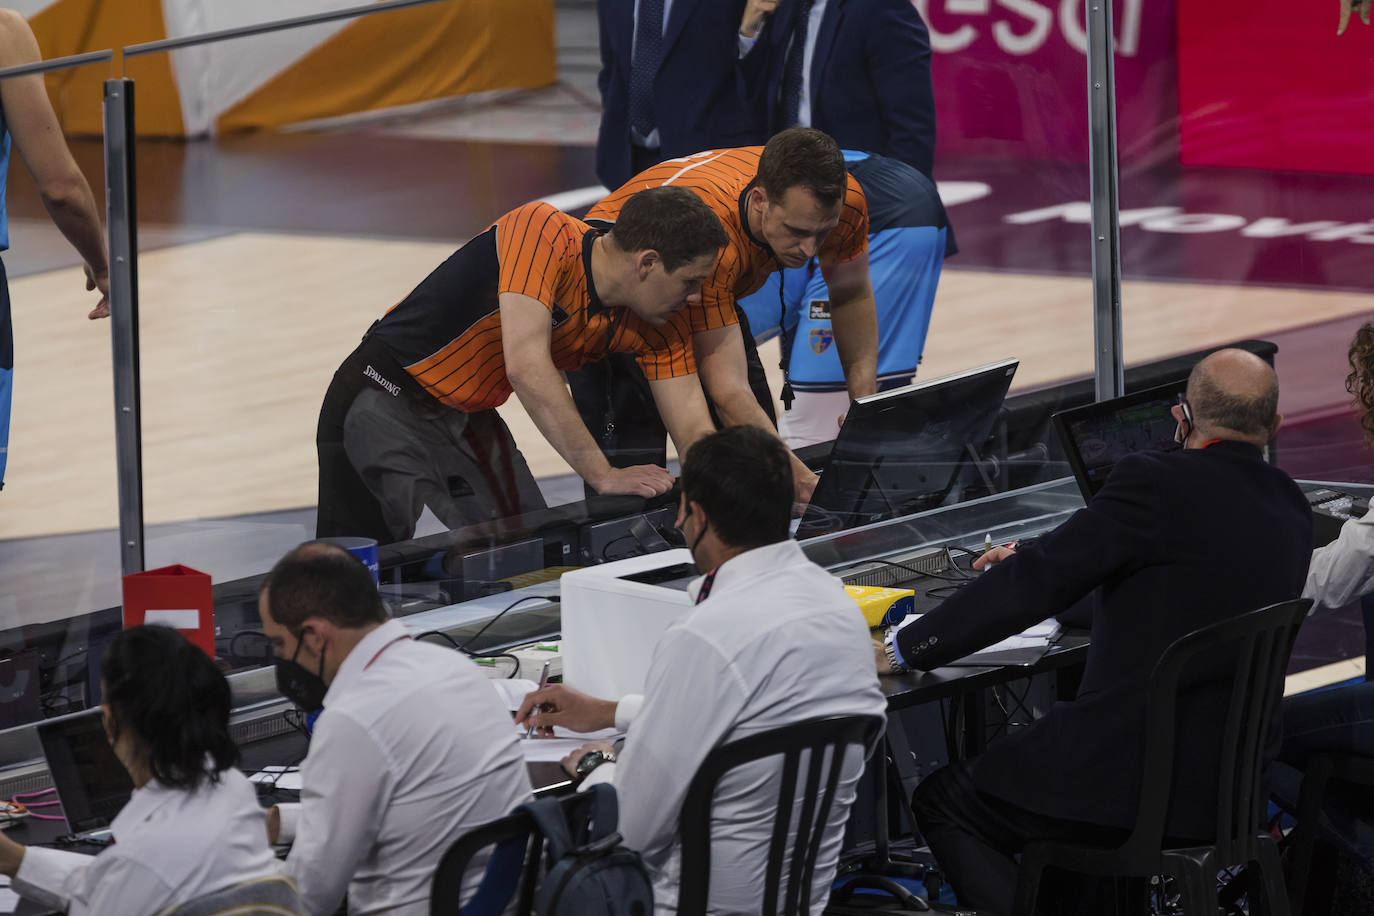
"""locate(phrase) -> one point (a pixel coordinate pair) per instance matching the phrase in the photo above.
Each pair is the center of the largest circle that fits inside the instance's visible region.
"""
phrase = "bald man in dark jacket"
(1173, 542)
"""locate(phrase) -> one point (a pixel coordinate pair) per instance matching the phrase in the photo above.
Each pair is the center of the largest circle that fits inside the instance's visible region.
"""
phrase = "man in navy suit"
(673, 80)
(1174, 541)
(857, 69)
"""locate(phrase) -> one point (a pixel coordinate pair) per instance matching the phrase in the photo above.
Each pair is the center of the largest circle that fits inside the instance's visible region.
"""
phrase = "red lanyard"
(384, 648)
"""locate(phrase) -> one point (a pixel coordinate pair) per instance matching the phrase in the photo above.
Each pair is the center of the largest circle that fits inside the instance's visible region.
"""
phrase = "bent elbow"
(63, 193)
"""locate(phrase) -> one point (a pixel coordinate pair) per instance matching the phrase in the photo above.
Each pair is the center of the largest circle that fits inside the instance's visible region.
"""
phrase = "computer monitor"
(899, 452)
(1097, 436)
(19, 688)
(91, 783)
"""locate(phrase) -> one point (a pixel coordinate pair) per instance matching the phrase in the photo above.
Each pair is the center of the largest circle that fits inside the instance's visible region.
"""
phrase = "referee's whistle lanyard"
(785, 348)
(608, 434)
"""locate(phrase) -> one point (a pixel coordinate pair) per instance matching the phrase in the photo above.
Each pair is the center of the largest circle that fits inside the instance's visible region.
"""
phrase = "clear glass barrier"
(59, 544)
(1245, 206)
(278, 219)
(266, 255)
(274, 229)
(1003, 517)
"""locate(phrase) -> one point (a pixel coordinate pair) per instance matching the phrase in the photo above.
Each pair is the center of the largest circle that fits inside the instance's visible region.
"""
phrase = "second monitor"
(900, 452)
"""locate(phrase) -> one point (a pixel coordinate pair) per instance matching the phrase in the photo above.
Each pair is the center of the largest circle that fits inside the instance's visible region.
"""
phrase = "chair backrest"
(825, 741)
(517, 854)
(271, 896)
(1258, 645)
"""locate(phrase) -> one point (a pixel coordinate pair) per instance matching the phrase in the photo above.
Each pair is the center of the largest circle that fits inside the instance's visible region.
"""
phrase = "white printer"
(613, 615)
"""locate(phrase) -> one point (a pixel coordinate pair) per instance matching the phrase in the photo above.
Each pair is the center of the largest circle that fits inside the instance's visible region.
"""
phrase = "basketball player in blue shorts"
(908, 239)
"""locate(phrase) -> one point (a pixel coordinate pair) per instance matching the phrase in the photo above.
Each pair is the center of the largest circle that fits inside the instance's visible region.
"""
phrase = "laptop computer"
(1096, 436)
(91, 783)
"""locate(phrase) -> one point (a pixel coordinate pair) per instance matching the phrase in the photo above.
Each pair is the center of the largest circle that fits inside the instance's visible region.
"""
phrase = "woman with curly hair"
(1344, 569)
(1341, 719)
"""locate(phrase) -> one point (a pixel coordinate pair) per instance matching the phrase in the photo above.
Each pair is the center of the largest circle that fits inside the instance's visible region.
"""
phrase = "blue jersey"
(908, 240)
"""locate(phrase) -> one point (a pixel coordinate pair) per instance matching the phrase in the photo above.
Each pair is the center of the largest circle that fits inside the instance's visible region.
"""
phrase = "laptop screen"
(900, 452)
(91, 783)
(1096, 436)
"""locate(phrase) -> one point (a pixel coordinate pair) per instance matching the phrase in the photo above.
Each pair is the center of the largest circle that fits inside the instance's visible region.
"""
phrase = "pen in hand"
(543, 682)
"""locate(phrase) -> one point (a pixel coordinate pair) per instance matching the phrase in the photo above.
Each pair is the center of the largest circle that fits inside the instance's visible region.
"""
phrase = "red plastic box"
(176, 596)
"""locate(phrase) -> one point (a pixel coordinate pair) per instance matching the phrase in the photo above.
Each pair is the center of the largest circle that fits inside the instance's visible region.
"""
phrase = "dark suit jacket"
(699, 90)
(870, 77)
(1172, 543)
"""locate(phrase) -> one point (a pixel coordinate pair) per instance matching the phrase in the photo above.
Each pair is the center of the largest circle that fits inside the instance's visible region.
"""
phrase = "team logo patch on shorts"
(821, 339)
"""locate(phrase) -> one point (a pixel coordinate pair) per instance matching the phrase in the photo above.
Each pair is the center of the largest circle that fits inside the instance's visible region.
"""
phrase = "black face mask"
(298, 685)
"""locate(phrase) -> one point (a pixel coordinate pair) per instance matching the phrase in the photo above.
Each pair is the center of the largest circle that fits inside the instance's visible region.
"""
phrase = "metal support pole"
(1108, 359)
(121, 222)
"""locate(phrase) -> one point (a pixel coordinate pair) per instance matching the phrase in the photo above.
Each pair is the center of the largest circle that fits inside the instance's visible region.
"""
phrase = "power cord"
(612, 542)
(452, 642)
(474, 637)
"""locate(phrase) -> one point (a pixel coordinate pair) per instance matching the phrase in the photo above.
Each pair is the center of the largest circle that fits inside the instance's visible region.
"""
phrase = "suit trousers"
(975, 838)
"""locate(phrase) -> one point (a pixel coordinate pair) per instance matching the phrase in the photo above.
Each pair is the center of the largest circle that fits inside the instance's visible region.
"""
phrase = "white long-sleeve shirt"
(413, 750)
(778, 641)
(171, 846)
(1344, 569)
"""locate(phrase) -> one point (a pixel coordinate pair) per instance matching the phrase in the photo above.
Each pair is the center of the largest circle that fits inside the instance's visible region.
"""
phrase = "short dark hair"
(806, 158)
(742, 477)
(1247, 414)
(675, 222)
(319, 579)
(175, 702)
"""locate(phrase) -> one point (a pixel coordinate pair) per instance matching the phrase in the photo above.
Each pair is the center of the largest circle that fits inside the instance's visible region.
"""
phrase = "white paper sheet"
(549, 750)
(512, 689)
(1038, 636)
(564, 742)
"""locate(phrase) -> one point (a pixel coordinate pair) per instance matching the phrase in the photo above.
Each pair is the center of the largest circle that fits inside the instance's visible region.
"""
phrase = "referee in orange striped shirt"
(409, 427)
(781, 205)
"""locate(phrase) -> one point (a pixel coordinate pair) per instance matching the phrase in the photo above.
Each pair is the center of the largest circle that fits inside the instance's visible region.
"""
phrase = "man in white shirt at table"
(413, 748)
(773, 640)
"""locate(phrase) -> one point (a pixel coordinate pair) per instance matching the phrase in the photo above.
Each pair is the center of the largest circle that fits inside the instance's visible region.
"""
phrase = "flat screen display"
(899, 452)
(91, 783)
(1096, 436)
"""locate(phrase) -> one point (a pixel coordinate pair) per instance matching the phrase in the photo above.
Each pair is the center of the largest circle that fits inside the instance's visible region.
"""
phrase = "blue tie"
(792, 73)
(648, 55)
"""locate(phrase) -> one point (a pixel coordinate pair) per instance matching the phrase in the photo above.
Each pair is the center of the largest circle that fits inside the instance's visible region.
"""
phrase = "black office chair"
(826, 740)
(515, 866)
(1260, 643)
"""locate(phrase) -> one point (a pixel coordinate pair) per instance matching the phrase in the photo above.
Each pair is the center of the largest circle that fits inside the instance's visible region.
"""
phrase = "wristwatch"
(590, 761)
(890, 649)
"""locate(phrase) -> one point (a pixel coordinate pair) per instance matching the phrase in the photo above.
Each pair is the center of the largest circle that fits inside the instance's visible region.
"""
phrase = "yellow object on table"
(882, 607)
